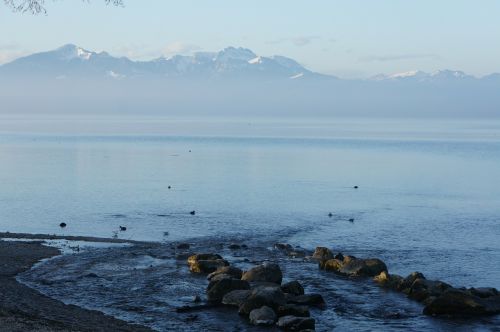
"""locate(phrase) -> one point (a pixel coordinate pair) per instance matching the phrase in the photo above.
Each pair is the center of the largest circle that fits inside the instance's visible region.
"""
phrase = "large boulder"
(363, 267)
(333, 265)
(267, 272)
(422, 289)
(455, 302)
(262, 316)
(272, 297)
(236, 297)
(231, 271)
(205, 263)
(293, 323)
(483, 292)
(293, 287)
(218, 289)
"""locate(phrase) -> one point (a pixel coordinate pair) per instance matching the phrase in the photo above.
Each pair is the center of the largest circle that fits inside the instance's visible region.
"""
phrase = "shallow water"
(428, 196)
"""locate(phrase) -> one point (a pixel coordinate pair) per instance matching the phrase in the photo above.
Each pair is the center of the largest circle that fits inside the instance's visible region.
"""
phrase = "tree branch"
(37, 6)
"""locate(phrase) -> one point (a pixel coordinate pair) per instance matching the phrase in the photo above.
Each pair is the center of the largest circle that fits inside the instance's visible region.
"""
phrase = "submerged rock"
(293, 323)
(454, 302)
(293, 287)
(262, 316)
(272, 297)
(283, 246)
(218, 289)
(269, 272)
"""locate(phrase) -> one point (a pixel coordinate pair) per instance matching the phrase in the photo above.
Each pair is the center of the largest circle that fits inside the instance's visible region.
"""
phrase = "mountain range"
(74, 61)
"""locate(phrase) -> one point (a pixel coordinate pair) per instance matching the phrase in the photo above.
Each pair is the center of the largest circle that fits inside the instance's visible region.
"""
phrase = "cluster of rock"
(257, 293)
(438, 297)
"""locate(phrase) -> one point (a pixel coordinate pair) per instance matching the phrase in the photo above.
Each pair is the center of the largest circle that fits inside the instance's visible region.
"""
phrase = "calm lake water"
(428, 196)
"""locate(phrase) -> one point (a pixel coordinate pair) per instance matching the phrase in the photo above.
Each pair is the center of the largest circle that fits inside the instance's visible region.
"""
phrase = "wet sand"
(25, 309)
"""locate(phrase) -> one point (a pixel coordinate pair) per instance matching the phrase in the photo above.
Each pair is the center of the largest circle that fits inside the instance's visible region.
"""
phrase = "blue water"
(428, 197)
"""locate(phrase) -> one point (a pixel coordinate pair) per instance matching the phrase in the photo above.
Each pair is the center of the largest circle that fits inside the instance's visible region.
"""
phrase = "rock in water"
(322, 254)
(218, 289)
(293, 323)
(421, 289)
(272, 297)
(293, 287)
(268, 272)
(454, 302)
(315, 300)
(236, 297)
(386, 280)
(262, 316)
(205, 263)
(293, 310)
(370, 267)
(231, 271)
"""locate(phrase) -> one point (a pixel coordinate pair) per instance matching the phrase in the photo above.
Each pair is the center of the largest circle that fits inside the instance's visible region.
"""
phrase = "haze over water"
(427, 199)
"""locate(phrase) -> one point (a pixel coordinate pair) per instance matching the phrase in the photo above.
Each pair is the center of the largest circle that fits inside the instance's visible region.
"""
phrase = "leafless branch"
(37, 6)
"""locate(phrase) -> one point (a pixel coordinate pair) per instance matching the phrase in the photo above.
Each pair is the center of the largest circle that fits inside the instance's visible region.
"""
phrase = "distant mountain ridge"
(74, 61)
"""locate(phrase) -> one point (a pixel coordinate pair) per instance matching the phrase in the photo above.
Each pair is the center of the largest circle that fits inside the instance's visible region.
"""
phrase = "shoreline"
(25, 309)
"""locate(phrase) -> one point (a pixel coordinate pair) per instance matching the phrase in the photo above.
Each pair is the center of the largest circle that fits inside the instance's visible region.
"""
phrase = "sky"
(349, 39)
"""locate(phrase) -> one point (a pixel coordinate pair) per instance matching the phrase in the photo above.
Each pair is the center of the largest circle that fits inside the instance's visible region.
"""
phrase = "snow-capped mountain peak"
(70, 51)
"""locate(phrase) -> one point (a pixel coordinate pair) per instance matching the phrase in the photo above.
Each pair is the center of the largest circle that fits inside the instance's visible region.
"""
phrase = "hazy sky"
(351, 38)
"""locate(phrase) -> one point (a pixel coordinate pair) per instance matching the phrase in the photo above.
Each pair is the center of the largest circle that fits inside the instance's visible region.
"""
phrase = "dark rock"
(421, 289)
(483, 292)
(219, 277)
(333, 265)
(283, 246)
(370, 267)
(355, 187)
(272, 297)
(351, 220)
(293, 287)
(234, 246)
(231, 271)
(386, 280)
(293, 310)
(454, 302)
(262, 316)
(183, 246)
(62, 225)
(218, 289)
(205, 263)
(236, 297)
(269, 272)
(322, 254)
(123, 228)
(339, 256)
(315, 300)
(408, 281)
(297, 253)
(192, 212)
(293, 323)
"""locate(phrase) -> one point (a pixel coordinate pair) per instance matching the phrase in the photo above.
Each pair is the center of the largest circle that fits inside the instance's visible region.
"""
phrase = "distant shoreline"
(25, 309)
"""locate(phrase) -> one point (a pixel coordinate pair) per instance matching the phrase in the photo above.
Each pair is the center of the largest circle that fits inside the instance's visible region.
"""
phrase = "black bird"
(192, 212)
(356, 187)
(330, 214)
(351, 220)
(62, 225)
(123, 228)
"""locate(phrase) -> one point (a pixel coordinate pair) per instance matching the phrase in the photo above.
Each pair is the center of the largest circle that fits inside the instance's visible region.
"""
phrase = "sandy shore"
(24, 309)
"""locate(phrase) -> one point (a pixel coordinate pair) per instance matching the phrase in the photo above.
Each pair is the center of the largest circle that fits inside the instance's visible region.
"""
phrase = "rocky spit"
(259, 294)
(232, 286)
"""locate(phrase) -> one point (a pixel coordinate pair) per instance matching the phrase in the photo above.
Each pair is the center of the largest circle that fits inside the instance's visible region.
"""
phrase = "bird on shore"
(192, 212)
(62, 225)
(123, 228)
